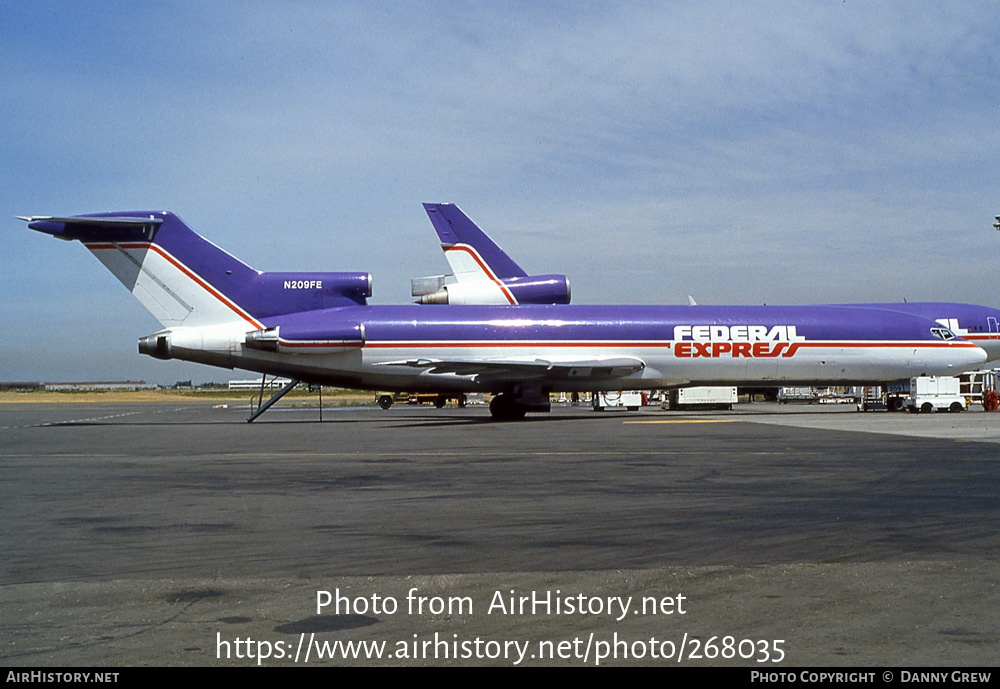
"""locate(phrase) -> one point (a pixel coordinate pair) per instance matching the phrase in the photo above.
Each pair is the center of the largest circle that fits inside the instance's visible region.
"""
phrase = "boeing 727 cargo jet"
(317, 327)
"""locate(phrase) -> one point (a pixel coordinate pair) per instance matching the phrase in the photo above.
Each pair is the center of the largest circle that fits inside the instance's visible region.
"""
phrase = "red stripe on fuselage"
(505, 343)
(665, 344)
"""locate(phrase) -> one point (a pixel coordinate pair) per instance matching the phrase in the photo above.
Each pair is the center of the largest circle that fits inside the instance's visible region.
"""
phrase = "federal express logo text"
(750, 341)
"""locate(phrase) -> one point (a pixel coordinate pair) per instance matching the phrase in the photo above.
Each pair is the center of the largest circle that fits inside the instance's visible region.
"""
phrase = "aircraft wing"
(516, 370)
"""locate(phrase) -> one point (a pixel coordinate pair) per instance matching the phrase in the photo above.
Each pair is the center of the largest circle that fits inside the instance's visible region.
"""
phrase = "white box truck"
(628, 400)
(703, 397)
(934, 393)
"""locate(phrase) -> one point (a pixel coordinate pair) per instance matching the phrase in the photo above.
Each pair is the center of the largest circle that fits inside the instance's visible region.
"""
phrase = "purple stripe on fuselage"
(971, 317)
(603, 323)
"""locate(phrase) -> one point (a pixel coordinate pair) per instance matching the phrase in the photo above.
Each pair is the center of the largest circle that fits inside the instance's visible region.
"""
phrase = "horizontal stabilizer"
(97, 227)
(98, 220)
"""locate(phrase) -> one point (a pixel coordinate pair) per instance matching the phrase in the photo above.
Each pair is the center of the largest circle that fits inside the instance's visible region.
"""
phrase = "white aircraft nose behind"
(971, 358)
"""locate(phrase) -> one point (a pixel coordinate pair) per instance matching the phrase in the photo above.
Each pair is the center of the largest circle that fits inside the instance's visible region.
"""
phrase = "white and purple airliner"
(317, 327)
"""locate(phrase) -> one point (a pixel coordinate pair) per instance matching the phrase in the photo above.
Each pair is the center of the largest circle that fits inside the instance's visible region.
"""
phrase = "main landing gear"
(505, 408)
(511, 407)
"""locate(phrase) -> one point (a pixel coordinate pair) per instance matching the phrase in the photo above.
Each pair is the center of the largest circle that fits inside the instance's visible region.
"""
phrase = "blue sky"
(739, 152)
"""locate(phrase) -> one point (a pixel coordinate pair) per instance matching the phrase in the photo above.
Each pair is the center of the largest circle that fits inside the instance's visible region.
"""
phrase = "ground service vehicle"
(934, 393)
(704, 397)
(629, 400)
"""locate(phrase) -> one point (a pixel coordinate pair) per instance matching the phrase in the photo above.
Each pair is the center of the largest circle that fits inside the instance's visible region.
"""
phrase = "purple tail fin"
(481, 272)
(457, 231)
(183, 279)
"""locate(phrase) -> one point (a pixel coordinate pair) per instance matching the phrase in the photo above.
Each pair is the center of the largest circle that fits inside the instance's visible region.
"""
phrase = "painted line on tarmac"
(688, 421)
(375, 456)
(89, 419)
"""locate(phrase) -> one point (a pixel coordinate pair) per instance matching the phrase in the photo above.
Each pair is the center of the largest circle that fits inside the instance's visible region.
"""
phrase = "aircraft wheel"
(440, 401)
(385, 401)
(503, 408)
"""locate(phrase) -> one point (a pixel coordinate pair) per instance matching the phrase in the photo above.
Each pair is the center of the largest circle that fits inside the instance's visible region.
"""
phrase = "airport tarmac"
(767, 537)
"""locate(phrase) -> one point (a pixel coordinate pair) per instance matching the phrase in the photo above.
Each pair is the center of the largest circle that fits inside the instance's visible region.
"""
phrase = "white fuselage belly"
(366, 367)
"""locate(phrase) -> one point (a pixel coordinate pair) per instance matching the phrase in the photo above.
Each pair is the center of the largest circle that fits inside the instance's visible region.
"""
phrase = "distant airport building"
(16, 385)
(101, 385)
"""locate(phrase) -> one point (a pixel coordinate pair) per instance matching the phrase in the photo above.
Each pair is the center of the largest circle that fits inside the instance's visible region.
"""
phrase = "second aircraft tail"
(482, 273)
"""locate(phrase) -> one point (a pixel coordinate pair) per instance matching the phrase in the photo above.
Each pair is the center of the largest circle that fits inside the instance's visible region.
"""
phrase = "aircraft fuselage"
(402, 345)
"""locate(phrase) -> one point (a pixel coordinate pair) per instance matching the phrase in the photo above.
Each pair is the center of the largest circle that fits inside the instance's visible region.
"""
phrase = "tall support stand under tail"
(277, 396)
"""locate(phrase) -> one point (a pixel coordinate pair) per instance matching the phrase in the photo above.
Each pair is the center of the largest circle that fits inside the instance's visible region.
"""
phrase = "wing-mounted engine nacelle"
(531, 289)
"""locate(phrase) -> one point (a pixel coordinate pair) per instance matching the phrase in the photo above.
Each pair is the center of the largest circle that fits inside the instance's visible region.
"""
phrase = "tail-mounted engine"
(531, 289)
